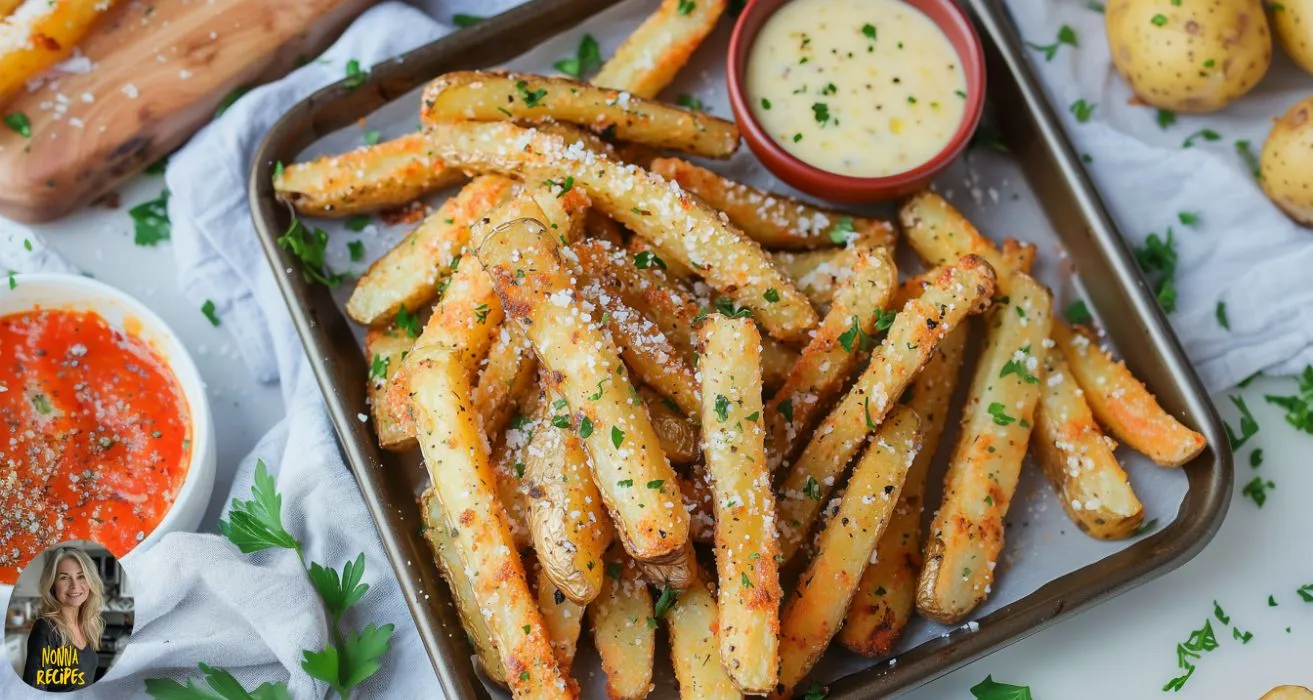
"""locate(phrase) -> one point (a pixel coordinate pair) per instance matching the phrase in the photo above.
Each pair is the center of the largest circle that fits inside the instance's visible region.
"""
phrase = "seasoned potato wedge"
(956, 291)
(48, 38)
(774, 220)
(1077, 458)
(509, 454)
(678, 435)
(564, 618)
(622, 629)
(631, 472)
(507, 375)
(693, 623)
(966, 537)
(437, 534)
(733, 444)
(526, 98)
(816, 608)
(834, 353)
(570, 528)
(408, 275)
(649, 58)
(886, 594)
(387, 174)
(817, 273)
(385, 350)
(1122, 404)
(456, 454)
(940, 234)
(674, 220)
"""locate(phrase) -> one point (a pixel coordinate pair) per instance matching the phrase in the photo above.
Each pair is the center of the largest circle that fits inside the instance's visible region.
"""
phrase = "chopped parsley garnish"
(990, 689)
(1018, 367)
(1077, 312)
(408, 322)
(42, 404)
(355, 77)
(655, 484)
(585, 427)
(1305, 592)
(531, 97)
(1158, 20)
(308, 246)
(1200, 641)
(688, 101)
(1159, 256)
(1248, 426)
(855, 338)
(685, 7)
(722, 407)
(797, 138)
(1188, 218)
(564, 185)
(726, 306)
(1246, 153)
(884, 319)
(587, 58)
(1145, 527)
(208, 309)
(372, 138)
(1257, 489)
(617, 436)
(357, 223)
(378, 367)
(1298, 412)
(744, 580)
(481, 313)
(150, 221)
(1094, 6)
(765, 103)
(999, 412)
(1256, 458)
(1066, 35)
(625, 483)
(786, 409)
(843, 230)
(821, 112)
(815, 691)
(647, 259)
(772, 295)
(868, 30)
(356, 249)
(866, 408)
(1165, 118)
(987, 137)
(1082, 110)
(613, 570)
(159, 166)
(665, 601)
(811, 489)
(19, 124)
(1205, 134)
(1221, 316)
(464, 21)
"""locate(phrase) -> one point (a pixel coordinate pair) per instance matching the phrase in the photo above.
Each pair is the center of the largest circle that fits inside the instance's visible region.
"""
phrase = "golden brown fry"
(673, 272)
(774, 220)
(816, 608)
(693, 622)
(649, 58)
(675, 221)
(582, 363)
(956, 291)
(455, 451)
(967, 535)
(570, 528)
(817, 273)
(409, 275)
(886, 594)
(833, 354)
(562, 616)
(940, 234)
(733, 443)
(52, 33)
(387, 174)
(533, 99)
(509, 454)
(453, 572)
(1122, 404)
(679, 437)
(621, 631)
(508, 374)
(696, 490)
(1078, 461)
(385, 350)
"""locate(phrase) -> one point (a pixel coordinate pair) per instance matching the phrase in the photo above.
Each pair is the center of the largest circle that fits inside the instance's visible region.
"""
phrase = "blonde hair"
(89, 617)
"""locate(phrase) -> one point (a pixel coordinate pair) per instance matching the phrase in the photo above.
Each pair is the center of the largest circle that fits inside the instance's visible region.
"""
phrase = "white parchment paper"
(1042, 544)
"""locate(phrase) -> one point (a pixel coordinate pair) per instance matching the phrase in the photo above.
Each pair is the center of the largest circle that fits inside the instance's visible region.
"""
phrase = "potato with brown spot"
(1292, 21)
(1287, 163)
(1189, 55)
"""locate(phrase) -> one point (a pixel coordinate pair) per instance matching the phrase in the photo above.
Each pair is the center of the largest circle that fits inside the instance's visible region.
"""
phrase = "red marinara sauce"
(95, 435)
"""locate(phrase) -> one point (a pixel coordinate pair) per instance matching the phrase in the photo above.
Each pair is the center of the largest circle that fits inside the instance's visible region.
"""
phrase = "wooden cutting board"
(159, 70)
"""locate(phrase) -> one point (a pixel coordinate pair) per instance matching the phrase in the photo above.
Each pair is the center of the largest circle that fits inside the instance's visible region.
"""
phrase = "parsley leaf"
(685, 7)
(19, 124)
(408, 322)
(821, 113)
(1205, 134)
(1066, 35)
(1306, 593)
(532, 98)
(786, 409)
(340, 593)
(691, 102)
(667, 600)
(1159, 256)
(1257, 490)
(208, 309)
(647, 259)
(815, 691)
(1082, 110)
(1188, 218)
(990, 689)
(309, 248)
(1246, 153)
(811, 489)
(726, 306)
(1078, 313)
(585, 427)
(355, 77)
(999, 412)
(617, 436)
(1165, 118)
(722, 407)
(1248, 426)
(772, 295)
(378, 367)
(564, 185)
(1298, 412)
(1221, 316)
(257, 524)
(843, 230)
(150, 221)
(220, 681)
(1018, 366)
(356, 249)
(464, 21)
(587, 58)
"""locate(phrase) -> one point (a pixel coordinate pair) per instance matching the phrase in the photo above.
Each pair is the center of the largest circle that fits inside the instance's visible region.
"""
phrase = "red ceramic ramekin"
(955, 24)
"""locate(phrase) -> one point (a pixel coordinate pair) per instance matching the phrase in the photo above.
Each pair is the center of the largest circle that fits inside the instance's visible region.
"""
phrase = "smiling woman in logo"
(61, 650)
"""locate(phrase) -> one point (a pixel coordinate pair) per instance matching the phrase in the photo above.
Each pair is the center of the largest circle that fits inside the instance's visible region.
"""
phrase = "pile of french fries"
(643, 389)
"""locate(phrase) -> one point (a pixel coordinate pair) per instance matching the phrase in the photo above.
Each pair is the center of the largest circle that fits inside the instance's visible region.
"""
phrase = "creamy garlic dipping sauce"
(865, 88)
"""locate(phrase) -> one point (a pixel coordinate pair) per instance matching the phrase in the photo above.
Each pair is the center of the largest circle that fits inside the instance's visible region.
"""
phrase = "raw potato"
(1293, 23)
(1288, 692)
(1287, 162)
(1189, 57)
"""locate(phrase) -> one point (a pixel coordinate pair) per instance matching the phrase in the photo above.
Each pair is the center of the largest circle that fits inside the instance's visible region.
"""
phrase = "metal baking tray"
(1065, 199)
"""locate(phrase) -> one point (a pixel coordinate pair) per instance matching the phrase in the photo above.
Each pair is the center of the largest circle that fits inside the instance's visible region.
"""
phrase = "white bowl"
(73, 292)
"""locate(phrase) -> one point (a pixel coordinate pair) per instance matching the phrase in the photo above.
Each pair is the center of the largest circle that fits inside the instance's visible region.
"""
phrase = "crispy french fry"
(676, 221)
(509, 455)
(673, 272)
(886, 594)
(632, 474)
(833, 354)
(967, 535)
(733, 442)
(816, 608)
(571, 530)
(385, 350)
(456, 453)
(564, 618)
(507, 375)
(696, 490)
(940, 234)
(409, 275)
(693, 622)
(50, 35)
(774, 220)
(1077, 458)
(384, 175)
(621, 631)
(956, 291)
(649, 58)
(495, 95)
(1122, 404)
(816, 273)
(678, 436)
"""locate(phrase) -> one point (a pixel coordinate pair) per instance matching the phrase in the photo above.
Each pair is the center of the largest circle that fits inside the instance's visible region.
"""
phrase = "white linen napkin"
(1243, 252)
